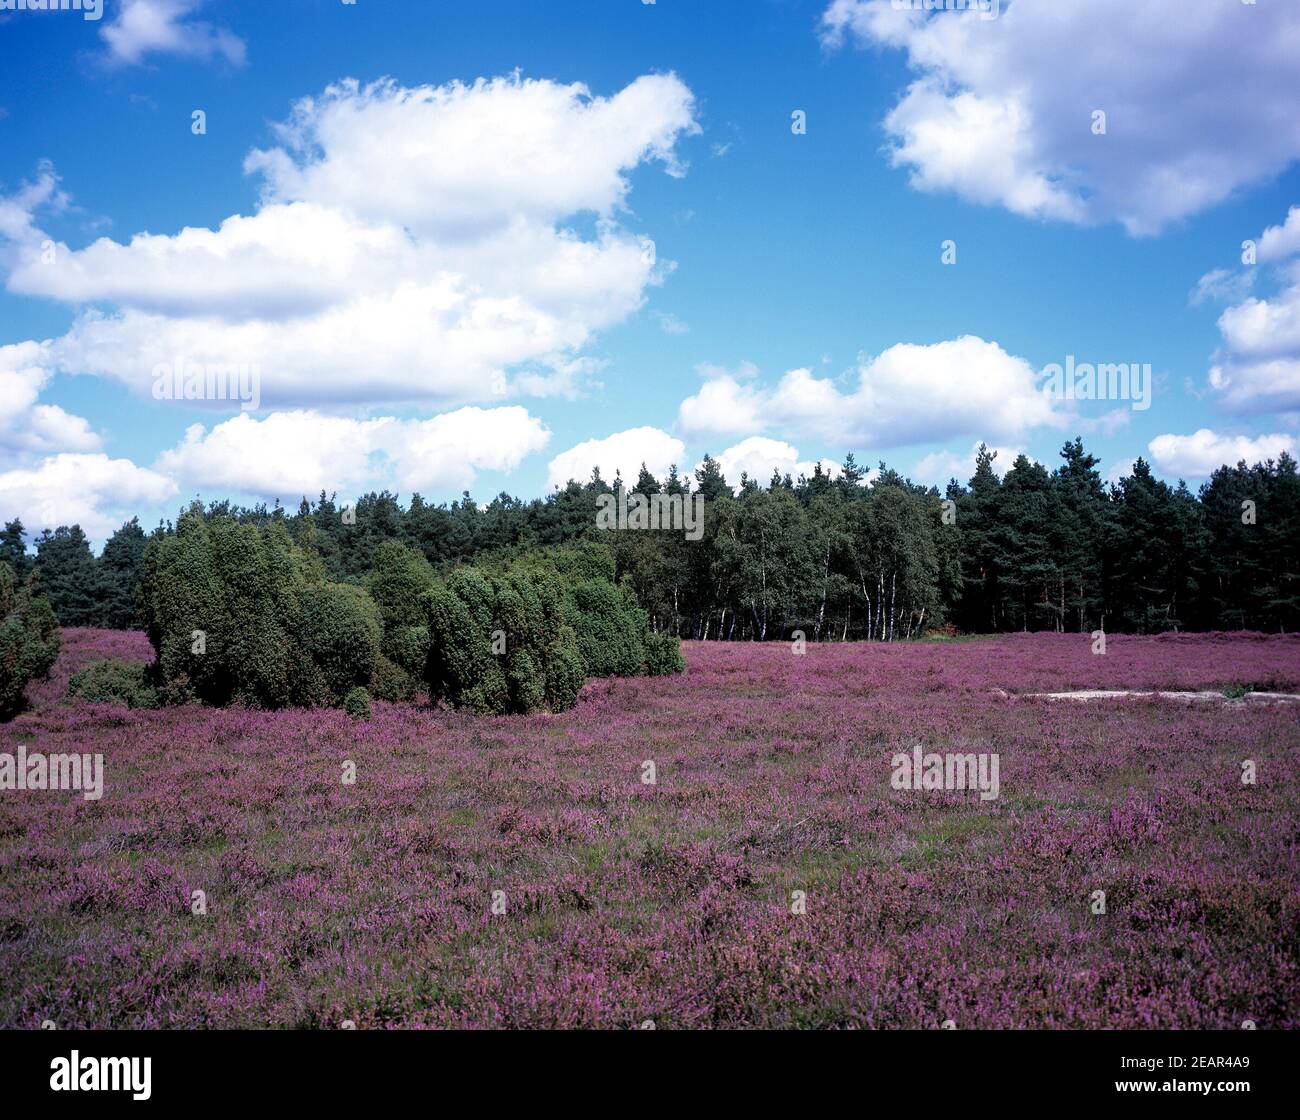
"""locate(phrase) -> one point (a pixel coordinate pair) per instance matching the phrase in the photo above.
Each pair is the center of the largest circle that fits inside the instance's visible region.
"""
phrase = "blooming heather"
(519, 871)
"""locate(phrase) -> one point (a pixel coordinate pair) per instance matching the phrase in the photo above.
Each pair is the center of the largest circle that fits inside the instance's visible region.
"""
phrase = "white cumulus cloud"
(1279, 242)
(1200, 454)
(288, 455)
(411, 246)
(622, 453)
(723, 406)
(145, 27)
(1257, 366)
(909, 393)
(91, 490)
(1000, 112)
(27, 426)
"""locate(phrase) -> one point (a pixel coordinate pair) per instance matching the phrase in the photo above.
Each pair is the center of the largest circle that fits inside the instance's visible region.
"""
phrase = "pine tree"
(709, 480)
(66, 575)
(118, 577)
(646, 483)
(1078, 537)
(851, 475)
(13, 550)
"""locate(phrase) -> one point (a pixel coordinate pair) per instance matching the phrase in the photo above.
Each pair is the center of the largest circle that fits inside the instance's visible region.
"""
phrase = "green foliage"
(663, 654)
(1249, 576)
(498, 643)
(341, 631)
(29, 640)
(610, 628)
(391, 682)
(13, 550)
(1031, 548)
(408, 647)
(478, 596)
(400, 576)
(357, 704)
(526, 682)
(398, 583)
(564, 672)
(111, 681)
(523, 638)
(460, 654)
(66, 575)
(237, 614)
(584, 560)
(709, 480)
(118, 578)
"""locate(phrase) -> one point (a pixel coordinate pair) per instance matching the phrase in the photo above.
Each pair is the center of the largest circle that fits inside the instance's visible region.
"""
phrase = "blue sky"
(441, 288)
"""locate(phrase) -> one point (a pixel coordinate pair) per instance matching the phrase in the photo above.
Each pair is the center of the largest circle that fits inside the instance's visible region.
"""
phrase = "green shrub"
(29, 640)
(663, 654)
(391, 682)
(238, 613)
(564, 673)
(400, 577)
(610, 628)
(583, 561)
(111, 681)
(220, 605)
(341, 629)
(525, 637)
(526, 682)
(457, 654)
(398, 583)
(476, 592)
(493, 638)
(357, 704)
(408, 647)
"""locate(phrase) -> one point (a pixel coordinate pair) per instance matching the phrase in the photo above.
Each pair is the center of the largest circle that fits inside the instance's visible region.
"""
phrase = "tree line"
(848, 557)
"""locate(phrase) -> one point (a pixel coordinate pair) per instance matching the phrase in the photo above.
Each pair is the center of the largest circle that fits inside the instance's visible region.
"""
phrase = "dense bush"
(391, 682)
(398, 583)
(498, 642)
(243, 613)
(564, 673)
(401, 575)
(582, 561)
(462, 668)
(357, 704)
(523, 638)
(408, 647)
(29, 640)
(663, 654)
(240, 614)
(110, 681)
(611, 629)
(526, 682)
(610, 626)
(341, 631)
